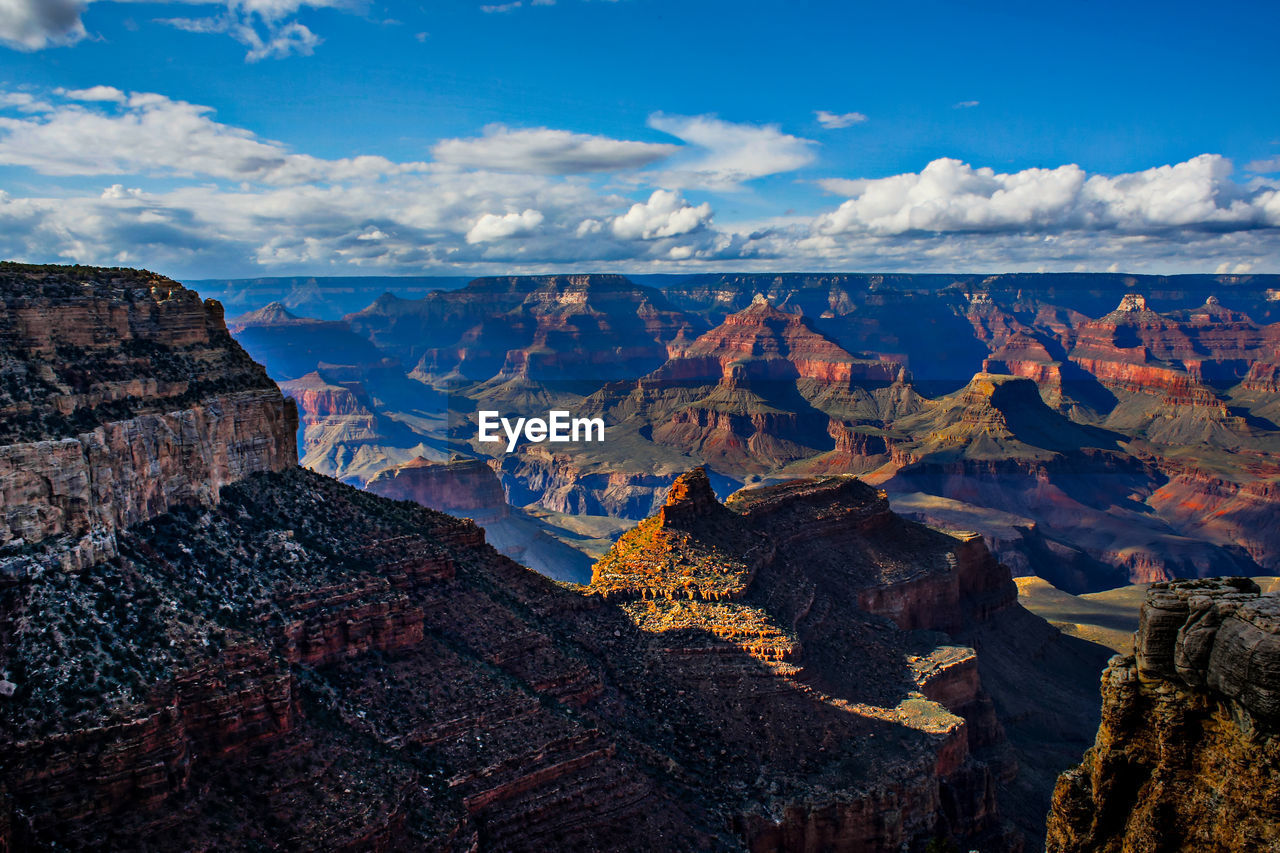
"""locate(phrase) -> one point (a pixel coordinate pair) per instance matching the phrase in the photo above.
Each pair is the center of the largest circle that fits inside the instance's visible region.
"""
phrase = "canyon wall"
(123, 396)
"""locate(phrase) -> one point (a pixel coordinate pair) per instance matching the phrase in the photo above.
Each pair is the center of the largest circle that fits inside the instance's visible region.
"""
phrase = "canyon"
(205, 646)
(266, 657)
(1140, 444)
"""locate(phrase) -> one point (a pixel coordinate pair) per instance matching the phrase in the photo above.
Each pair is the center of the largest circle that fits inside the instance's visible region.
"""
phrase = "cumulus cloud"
(724, 154)
(835, 121)
(231, 203)
(548, 152)
(951, 196)
(142, 133)
(37, 24)
(93, 93)
(1267, 166)
(491, 226)
(665, 214)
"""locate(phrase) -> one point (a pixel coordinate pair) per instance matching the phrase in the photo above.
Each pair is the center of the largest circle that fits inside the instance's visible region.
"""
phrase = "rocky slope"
(812, 575)
(123, 395)
(1187, 757)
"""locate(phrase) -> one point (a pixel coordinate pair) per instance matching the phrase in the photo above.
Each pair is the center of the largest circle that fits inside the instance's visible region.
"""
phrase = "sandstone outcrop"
(810, 575)
(1187, 756)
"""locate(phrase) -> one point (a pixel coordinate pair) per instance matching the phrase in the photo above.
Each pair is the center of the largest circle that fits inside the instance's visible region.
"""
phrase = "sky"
(244, 138)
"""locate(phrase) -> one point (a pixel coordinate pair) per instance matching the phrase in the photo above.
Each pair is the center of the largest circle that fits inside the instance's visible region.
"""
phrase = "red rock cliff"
(125, 396)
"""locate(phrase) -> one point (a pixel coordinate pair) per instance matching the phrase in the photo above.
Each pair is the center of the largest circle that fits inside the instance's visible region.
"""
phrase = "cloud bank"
(951, 196)
(139, 178)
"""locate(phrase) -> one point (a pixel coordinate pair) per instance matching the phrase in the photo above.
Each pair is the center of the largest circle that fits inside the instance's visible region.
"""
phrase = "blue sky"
(260, 137)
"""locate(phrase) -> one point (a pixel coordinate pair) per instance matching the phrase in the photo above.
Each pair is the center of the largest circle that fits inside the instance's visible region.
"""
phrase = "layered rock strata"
(123, 396)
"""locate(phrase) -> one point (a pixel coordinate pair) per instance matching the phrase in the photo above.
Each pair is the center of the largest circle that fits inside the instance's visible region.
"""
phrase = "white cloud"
(1267, 166)
(550, 152)
(834, 121)
(37, 24)
(151, 134)
(491, 226)
(23, 102)
(93, 93)
(231, 203)
(951, 196)
(964, 105)
(724, 154)
(665, 214)
(266, 27)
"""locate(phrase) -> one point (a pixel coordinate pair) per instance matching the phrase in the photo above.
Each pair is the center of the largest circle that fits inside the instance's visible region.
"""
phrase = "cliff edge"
(121, 395)
(1187, 757)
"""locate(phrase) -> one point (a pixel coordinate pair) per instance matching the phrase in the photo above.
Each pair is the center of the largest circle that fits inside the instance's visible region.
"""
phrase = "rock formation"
(293, 346)
(761, 390)
(1187, 757)
(1157, 463)
(997, 446)
(123, 396)
(809, 576)
(288, 662)
(578, 328)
